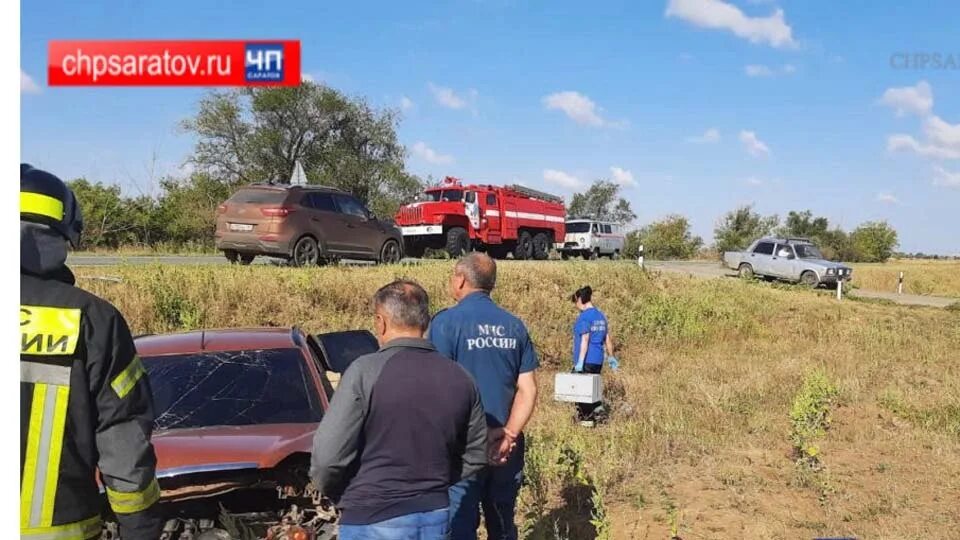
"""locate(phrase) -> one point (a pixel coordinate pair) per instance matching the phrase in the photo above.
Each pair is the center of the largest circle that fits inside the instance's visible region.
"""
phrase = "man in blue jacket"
(494, 346)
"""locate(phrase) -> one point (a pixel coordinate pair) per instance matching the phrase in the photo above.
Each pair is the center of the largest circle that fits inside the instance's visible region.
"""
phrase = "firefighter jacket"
(85, 406)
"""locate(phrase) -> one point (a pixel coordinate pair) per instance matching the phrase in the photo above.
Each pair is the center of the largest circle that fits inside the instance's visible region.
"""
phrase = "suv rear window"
(319, 201)
(233, 388)
(259, 196)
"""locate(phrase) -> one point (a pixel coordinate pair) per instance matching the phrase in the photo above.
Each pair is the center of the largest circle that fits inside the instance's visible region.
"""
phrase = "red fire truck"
(499, 220)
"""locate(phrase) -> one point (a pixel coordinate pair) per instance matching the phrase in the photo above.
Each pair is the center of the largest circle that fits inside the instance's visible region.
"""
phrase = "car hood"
(218, 448)
(824, 263)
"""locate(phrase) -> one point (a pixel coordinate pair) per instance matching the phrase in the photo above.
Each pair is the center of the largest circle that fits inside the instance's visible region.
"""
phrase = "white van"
(589, 238)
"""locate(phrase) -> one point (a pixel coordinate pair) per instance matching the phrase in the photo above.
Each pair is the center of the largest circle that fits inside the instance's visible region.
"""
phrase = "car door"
(783, 261)
(607, 238)
(325, 222)
(760, 257)
(491, 211)
(362, 233)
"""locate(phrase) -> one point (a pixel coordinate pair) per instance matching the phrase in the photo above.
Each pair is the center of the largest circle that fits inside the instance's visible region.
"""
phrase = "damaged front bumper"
(237, 501)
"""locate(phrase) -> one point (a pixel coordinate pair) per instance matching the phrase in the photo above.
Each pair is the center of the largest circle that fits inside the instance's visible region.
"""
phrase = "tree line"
(256, 135)
(672, 237)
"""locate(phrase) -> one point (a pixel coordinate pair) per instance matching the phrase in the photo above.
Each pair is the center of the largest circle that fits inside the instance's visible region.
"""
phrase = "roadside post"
(640, 257)
(900, 283)
(839, 289)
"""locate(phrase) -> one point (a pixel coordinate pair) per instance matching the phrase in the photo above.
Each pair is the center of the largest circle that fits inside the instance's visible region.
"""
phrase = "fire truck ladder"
(532, 193)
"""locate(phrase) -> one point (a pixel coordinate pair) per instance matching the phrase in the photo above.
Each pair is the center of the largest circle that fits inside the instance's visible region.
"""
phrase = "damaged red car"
(235, 415)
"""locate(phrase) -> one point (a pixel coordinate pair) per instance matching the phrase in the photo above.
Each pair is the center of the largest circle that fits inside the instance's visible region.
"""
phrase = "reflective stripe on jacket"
(84, 405)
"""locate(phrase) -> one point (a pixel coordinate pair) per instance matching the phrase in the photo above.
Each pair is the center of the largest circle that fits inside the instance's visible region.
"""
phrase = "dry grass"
(701, 440)
(939, 278)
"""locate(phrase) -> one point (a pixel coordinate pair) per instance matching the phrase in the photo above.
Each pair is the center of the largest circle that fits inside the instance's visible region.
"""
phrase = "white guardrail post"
(839, 289)
(900, 284)
(640, 257)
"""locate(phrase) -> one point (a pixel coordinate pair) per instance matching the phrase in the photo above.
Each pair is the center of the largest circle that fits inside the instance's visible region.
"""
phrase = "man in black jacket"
(404, 425)
(84, 399)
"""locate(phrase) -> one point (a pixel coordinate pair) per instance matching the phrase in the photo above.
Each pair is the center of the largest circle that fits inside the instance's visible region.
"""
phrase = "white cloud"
(754, 70)
(946, 178)
(942, 134)
(719, 15)
(578, 108)
(754, 181)
(622, 177)
(711, 135)
(450, 99)
(406, 103)
(753, 145)
(901, 141)
(942, 139)
(424, 152)
(887, 198)
(910, 99)
(27, 84)
(760, 70)
(561, 179)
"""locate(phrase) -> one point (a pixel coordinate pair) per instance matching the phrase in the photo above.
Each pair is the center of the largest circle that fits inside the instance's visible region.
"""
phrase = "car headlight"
(583, 240)
(830, 271)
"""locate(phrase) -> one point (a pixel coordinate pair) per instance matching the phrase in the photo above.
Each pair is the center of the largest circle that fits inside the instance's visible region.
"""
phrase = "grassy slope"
(700, 439)
(941, 278)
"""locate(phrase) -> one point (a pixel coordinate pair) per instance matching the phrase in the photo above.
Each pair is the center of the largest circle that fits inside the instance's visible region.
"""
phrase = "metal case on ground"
(578, 387)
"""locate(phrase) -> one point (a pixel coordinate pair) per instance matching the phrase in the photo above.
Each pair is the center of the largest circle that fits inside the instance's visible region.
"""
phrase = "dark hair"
(405, 303)
(584, 294)
(479, 269)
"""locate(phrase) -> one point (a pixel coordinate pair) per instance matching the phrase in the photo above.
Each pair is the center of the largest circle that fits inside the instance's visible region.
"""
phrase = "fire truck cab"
(499, 220)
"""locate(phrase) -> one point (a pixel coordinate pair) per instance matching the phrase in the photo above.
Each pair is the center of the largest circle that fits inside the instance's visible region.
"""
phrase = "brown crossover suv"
(306, 225)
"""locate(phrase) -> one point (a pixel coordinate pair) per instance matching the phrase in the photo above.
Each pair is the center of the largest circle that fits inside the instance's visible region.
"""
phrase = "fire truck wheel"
(524, 249)
(564, 255)
(457, 241)
(541, 247)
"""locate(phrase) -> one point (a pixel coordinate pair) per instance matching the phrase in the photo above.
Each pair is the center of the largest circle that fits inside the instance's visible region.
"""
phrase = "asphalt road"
(699, 269)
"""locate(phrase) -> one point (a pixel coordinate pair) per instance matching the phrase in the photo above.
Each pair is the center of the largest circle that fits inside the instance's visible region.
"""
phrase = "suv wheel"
(615, 256)
(745, 271)
(231, 256)
(593, 255)
(247, 259)
(810, 279)
(541, 247)
(306, 252)
(524, 249)
(457, 241)
(390, 252)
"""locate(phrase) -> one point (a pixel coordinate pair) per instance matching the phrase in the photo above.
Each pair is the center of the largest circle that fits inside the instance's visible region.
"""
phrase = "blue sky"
(696, 106)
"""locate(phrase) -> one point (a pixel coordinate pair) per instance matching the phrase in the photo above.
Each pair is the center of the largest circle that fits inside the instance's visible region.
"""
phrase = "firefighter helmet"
(45, 199)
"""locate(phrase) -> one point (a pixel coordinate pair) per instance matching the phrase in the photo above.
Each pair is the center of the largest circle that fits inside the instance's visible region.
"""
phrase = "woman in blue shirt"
(591, 338)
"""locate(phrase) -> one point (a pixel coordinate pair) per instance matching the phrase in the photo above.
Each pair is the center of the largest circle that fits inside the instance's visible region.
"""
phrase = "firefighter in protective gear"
(85, 402)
